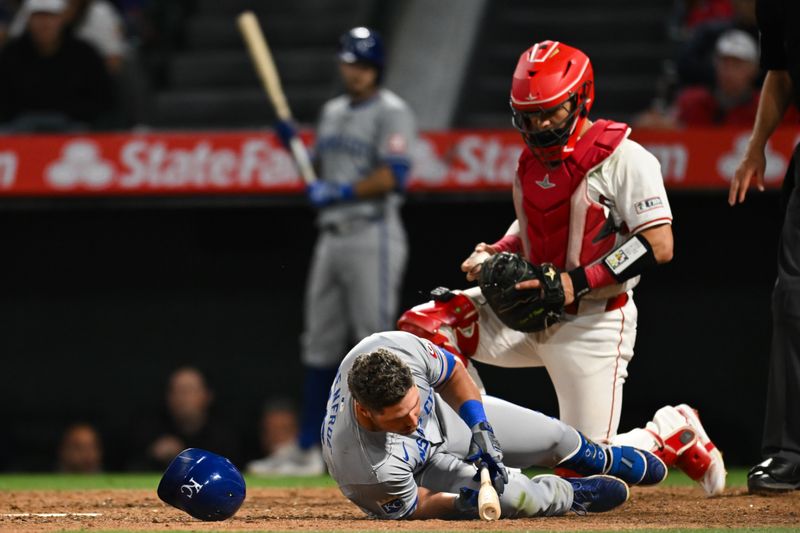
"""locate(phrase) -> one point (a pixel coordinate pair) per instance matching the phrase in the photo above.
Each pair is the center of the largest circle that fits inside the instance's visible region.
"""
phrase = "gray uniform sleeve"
(396, 135)
(391, 500)
(427, 359)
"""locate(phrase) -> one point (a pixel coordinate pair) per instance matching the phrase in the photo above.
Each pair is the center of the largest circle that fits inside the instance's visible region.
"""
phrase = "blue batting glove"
(285, 130)
(322, 193)
(467, 501)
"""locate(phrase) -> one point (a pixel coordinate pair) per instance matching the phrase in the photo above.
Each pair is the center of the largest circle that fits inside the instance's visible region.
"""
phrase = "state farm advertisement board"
(254, 163)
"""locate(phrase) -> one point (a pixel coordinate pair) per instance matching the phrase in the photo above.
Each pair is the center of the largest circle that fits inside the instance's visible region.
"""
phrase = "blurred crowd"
(187, 419)
(70, 65)
(713, 78)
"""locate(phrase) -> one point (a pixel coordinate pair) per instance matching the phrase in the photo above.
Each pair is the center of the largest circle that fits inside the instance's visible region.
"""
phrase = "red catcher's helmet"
(548, 75)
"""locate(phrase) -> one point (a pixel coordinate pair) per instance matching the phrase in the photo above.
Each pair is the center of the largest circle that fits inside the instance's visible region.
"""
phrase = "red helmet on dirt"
(548, 75)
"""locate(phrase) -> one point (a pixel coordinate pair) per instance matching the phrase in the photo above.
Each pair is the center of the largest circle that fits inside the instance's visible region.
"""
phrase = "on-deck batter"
(362, 154)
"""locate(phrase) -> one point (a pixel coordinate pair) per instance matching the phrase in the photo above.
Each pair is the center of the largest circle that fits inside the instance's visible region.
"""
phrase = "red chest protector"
(563, 223)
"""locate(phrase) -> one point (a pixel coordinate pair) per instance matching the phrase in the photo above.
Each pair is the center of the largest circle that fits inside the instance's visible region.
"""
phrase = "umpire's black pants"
(782, 420)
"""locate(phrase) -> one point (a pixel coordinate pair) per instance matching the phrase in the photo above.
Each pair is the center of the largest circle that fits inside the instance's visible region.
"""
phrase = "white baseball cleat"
(713, 479)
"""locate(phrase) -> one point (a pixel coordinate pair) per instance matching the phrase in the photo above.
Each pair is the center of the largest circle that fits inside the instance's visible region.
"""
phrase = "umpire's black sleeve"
(770, 15)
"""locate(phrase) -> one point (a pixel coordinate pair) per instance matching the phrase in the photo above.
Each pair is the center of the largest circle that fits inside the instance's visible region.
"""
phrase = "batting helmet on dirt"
(362, 45)
(204, 484)
(548, 76)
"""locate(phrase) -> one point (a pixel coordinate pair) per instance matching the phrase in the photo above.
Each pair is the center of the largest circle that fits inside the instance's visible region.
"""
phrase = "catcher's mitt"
(522, 310)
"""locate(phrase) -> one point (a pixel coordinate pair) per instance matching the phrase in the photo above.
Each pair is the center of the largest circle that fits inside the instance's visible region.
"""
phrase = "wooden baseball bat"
(488, 502)
(268, 74)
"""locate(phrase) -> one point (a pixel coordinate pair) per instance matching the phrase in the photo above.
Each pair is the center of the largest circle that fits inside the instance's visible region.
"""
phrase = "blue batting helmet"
(204, 484)
(362, 45)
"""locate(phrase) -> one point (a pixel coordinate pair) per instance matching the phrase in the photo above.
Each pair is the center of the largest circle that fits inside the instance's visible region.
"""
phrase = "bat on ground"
(268, 73)
(488, 502)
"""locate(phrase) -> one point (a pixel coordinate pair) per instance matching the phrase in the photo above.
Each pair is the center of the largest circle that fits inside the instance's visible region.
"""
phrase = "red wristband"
(598, 275)
(509, 243)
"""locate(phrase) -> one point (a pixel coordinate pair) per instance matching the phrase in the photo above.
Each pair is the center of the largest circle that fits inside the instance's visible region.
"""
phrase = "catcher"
(556, 291)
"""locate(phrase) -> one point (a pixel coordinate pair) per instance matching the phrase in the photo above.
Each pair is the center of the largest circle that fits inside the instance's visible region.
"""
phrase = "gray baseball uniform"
(381, 472)
(360, 256)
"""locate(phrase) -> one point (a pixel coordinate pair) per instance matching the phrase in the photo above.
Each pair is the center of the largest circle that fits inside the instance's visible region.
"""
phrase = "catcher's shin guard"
(671, 447)
(682, 441)
(704, 462)
(450, 320)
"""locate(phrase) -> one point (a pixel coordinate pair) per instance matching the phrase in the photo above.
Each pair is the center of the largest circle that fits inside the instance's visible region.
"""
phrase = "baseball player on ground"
(362, 152)
(406, 426)
(592, 203)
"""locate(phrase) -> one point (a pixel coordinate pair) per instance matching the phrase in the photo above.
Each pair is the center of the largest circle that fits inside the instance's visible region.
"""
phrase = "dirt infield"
(324, 509)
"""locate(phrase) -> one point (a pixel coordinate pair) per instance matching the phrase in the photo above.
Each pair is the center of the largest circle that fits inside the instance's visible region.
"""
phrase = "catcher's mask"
(551, 76)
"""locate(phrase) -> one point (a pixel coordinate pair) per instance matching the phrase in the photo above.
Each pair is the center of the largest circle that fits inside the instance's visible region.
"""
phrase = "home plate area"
(325, 509)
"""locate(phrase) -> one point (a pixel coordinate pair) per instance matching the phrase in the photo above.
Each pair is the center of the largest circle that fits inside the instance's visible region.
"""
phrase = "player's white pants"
(586, 357)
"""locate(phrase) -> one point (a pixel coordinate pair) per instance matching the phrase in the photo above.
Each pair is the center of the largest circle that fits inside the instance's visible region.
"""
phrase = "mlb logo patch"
(648, 204)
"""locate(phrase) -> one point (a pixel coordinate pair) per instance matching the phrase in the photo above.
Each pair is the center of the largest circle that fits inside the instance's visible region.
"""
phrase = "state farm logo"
(145, 164)
(727, 164)
(470, 160)
(80, 164)
(427, 165)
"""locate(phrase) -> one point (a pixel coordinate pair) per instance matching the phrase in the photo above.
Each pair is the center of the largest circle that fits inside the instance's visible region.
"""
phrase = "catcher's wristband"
(509, 243)
(580, 285)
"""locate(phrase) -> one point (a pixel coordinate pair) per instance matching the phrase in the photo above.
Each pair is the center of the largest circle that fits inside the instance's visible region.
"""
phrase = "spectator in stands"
(80, 450)
(99, 23)
(51, 81)
(187, 423)
(95, 21)
(734, 98)
(278, 431)
(695, 61)
(732, 101)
